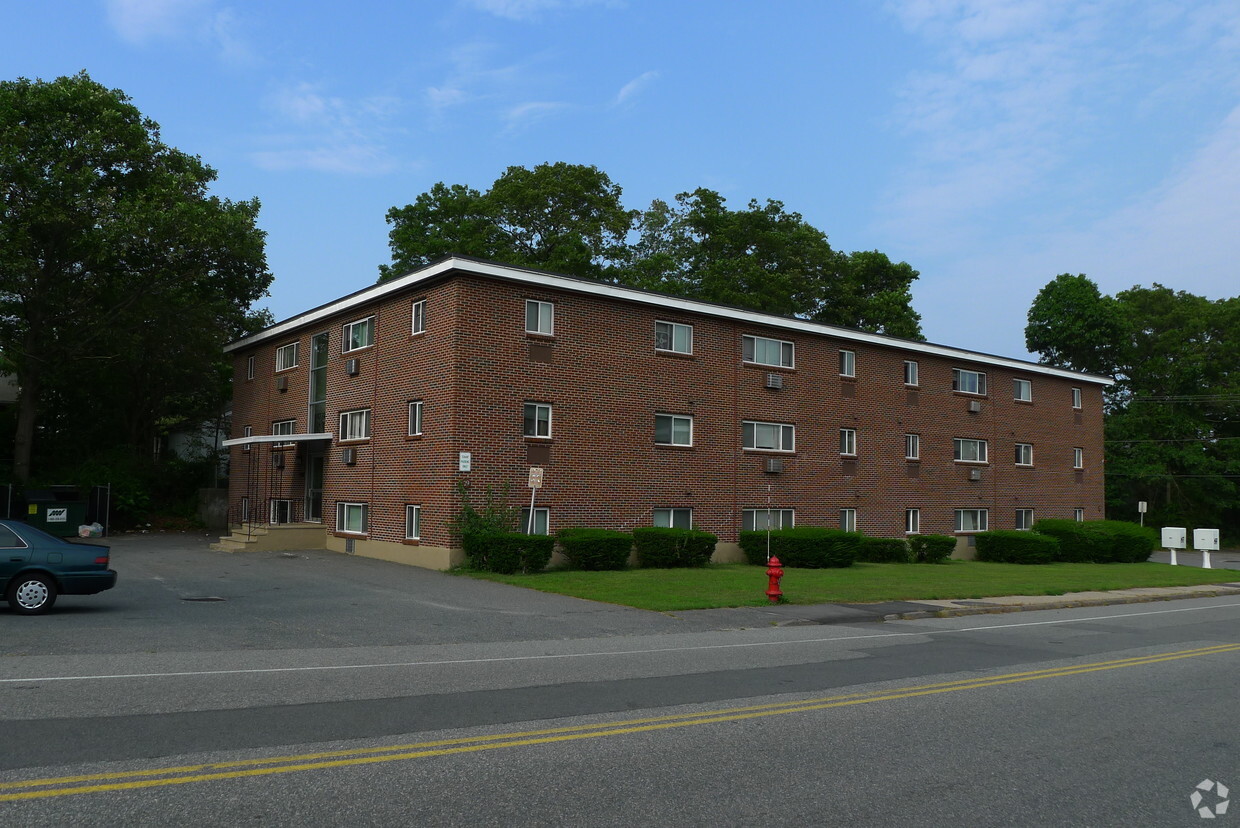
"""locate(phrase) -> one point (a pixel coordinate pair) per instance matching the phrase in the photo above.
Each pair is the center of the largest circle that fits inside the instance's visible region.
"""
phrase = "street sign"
(536, 477)
(1141, 506)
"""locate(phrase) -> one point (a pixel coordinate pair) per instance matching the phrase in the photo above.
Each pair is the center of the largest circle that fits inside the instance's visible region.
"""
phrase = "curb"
(996, 609)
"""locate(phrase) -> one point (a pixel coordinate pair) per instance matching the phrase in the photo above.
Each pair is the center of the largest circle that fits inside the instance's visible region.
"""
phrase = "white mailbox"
(1174, 537)
(1205, 540)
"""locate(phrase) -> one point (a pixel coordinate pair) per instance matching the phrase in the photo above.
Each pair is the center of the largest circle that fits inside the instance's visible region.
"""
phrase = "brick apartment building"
(362, 416)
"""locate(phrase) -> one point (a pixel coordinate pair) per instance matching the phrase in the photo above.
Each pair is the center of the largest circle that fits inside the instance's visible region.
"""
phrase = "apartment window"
(1024, 454)
(1078, 458)
(971, 520)
(417, 323)
(848, 520)
(1024, 519)
(759, 520)
(249, 368)
(672, 336)
(539, 317)
(1076, 398)
(673, 430)
(413, 522)
(910, 372)
(848, 441)
(1022, 390)
(415, 418)
(351, 517)
(770, 436)
(286, 357)
(281, 512)
(358, 335)
(912, 446)
(912, 521)
(969, 451)
(355, 425)
(674, 518)
(1078, 515)
(541, 519)
(765, 351)
(537, 420)
(970, 382)
(283, 427)
(848, 364)
(247, 431)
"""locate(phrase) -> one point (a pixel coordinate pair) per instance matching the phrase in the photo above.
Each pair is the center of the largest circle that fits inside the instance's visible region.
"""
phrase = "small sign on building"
(57, 514)
(465, 461)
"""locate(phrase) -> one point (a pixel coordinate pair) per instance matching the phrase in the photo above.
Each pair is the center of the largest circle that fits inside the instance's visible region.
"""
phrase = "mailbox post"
(1205, 541)
(1173, 538)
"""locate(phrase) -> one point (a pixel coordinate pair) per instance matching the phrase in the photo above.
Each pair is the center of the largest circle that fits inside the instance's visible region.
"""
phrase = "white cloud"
(522, 116)
(142, 22)
(530, 9)
(634, 86)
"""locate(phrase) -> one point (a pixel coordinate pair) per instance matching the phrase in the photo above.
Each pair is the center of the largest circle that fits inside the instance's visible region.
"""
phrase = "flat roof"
(275, 438)
(573, 284)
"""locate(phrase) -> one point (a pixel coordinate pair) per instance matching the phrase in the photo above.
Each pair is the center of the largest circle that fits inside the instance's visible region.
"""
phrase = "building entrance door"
(314, 487)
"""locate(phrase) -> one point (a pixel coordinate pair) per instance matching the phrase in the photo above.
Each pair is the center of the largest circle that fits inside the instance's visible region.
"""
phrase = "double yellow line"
(186, 774)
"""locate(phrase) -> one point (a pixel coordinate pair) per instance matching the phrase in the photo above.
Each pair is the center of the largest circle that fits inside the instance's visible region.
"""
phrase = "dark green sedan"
(35, 567)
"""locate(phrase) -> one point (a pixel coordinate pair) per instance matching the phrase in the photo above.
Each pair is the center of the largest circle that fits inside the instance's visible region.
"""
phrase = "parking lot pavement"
(175, 594)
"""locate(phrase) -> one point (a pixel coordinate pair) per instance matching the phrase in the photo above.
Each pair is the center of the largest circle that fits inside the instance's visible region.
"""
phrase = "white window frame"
(1024, 454)
(848, 520)
(673, 518)
(349, 431)
(1078, 458)
(413, 521)
(1078, 514)
(542, 519)
(283, 427)
(1022, 390)
(249, 367)
(667, 334)
(910, 372)
(417, 317)
(981, 517)
(1076, 398)
(1024, 520)
(912, 446)
(981, 449)
(415, 418)
(279, 507)
(848, 442)
(343, 511)
(848, 363)
(346, 342)
(286, 357)
(542, 319)
(912, 521)
(247, 431)
(785, 350)
(772, 518)
(538, 420)
(785, 436)
(673, 420)
(969, 382)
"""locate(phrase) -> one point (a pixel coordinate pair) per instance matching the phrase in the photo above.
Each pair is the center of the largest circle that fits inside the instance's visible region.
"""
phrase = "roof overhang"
(275, 438)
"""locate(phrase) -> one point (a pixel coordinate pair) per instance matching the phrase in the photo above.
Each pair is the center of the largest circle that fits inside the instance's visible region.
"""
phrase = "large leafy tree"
(120, 275)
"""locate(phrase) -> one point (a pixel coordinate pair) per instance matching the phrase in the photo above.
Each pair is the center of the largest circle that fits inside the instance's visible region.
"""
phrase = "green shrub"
(1130, 543)
(883, 550)
(507, 552)
(803, 546)
(931, 548)
(1010, 546)
(662, 547)
(595, 548)
(1099, 541)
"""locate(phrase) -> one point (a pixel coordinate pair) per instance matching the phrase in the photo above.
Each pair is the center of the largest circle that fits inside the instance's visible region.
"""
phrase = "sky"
(991, 144)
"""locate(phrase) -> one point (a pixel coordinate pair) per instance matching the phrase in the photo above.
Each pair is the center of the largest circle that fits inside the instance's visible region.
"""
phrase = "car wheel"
(32, 594)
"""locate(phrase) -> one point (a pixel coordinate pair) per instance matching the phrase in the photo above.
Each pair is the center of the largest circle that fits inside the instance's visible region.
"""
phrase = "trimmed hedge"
(931, 548)
(1099, 541)
(803, 546)
(884, 550)
(1018, 547)
(507, 552)
(595, 548)
(662, 547)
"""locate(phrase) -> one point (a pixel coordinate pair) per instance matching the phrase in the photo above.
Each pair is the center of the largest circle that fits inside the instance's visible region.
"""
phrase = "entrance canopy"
(276, 438)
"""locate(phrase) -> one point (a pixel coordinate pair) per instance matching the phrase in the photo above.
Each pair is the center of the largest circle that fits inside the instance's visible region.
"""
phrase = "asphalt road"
(414, 683)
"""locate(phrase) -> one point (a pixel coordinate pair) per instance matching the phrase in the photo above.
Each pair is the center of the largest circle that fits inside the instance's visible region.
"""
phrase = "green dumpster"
(58, 511)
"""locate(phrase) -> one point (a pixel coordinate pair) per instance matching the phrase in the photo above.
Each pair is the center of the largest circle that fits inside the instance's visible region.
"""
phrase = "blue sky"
(992, 145)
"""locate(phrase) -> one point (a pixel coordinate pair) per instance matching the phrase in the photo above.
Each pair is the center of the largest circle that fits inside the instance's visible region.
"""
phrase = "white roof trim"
(566, 283)
(275, 438)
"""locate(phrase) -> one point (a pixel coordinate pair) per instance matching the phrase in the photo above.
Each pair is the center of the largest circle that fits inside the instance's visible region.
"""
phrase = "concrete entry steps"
(262, 537)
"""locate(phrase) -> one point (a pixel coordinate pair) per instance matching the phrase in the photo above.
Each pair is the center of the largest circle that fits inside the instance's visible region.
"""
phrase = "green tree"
(118, 270)
(1072, 325)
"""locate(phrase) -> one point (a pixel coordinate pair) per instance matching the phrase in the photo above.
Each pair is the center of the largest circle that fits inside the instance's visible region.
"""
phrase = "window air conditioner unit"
(774, 465)
(775, 381)
(281, 384)
(349, 456)
(975, 406)
(975, 474)
(277, 460)
(353, 367)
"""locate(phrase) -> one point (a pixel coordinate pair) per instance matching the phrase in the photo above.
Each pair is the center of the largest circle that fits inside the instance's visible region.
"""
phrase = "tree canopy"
(120, 275)
(569, 219)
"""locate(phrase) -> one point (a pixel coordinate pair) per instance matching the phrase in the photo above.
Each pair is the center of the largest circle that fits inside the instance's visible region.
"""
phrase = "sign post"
(536, 481)
(1141, 510)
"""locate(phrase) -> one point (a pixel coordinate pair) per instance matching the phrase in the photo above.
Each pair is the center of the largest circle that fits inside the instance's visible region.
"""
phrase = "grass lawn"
(743, 585)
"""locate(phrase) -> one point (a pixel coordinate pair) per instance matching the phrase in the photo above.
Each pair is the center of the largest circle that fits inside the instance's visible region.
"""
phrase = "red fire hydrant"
(774, 571)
